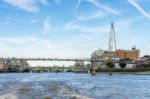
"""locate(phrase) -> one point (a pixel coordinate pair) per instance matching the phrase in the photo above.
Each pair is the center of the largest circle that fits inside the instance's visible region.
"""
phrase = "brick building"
(128, 54)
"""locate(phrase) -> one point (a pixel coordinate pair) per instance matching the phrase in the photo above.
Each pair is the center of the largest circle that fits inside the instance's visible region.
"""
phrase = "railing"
(46, 59)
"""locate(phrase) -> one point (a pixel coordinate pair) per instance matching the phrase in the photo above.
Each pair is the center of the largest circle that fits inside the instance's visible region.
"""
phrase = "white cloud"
(139, 8)
(18, 41)
(77, 5)
(9, 18)
(86, 29)
(89, 16)
(97, 4)
(57, 1)
(27, 5)
(122, 27)
(106, 8)
(45, 2)
(34, 21)
(37, 45)
(40, 47)
(47, 26)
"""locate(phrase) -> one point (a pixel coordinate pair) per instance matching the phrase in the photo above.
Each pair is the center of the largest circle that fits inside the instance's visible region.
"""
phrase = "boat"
(93, 72)
(110, 74)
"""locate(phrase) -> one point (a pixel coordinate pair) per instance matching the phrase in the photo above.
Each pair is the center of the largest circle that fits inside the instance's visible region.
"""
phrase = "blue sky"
(71, 28)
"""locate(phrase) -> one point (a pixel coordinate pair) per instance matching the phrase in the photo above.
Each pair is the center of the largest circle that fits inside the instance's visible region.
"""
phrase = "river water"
(74, 86)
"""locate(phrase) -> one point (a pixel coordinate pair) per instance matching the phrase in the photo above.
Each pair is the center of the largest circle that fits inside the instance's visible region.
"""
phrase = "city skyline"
(71, 28)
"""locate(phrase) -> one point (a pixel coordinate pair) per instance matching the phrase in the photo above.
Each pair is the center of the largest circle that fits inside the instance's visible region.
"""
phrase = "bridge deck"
(47, 59)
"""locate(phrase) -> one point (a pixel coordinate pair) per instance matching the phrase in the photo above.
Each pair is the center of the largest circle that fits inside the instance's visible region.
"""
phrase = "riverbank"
(145, 71)
(135, 73)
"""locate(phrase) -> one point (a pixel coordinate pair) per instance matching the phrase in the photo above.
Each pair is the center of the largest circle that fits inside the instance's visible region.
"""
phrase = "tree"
(143, 66)
(110, 64)
(122, 64)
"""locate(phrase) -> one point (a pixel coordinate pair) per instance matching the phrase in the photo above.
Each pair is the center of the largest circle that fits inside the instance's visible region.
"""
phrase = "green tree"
(122, 64)
(110, 64)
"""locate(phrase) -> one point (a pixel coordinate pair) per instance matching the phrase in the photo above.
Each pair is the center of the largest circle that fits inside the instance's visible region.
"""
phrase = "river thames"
(74, 86)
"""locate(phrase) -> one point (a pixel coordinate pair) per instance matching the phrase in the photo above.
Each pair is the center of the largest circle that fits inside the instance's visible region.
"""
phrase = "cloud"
(45, 2)
(9, 18)
(139, 8)
(57, 1)
(89, 16)
(106, 8)
(47, 26)
(97, 4)
(77, 5)
(34, 21)
(18, 41)
(120, 25)
(85, 29)
(38, 47)
(27, 5)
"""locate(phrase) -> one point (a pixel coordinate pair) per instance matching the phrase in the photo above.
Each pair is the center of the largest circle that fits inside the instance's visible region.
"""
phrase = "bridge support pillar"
(93, 70)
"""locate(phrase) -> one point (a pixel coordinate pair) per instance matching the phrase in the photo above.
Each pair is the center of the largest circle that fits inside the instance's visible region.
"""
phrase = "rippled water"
(74, 86)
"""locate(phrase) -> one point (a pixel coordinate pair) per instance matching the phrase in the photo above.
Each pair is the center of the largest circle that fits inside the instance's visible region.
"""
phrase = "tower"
(112, 39)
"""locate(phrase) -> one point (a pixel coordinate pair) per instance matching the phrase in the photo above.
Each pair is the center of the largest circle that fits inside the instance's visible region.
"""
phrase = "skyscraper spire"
(112, 39)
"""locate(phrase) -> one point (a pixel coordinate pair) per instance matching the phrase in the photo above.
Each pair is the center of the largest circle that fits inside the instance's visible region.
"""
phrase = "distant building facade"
(79, 66)
(3, 65)
(133, 54)
(97, 57)
(79, 63)
(17, 65)
(23, 65)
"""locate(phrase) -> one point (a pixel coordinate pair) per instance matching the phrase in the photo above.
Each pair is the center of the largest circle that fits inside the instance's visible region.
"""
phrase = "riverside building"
(3, 65)
(100, 57)
(133, 54)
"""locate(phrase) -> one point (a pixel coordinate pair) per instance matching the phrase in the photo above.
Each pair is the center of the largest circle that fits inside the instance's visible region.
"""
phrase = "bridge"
(47, 59)
(78, 61)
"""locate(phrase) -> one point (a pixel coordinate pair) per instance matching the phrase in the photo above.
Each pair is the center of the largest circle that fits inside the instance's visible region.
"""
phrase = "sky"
(71, 28)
